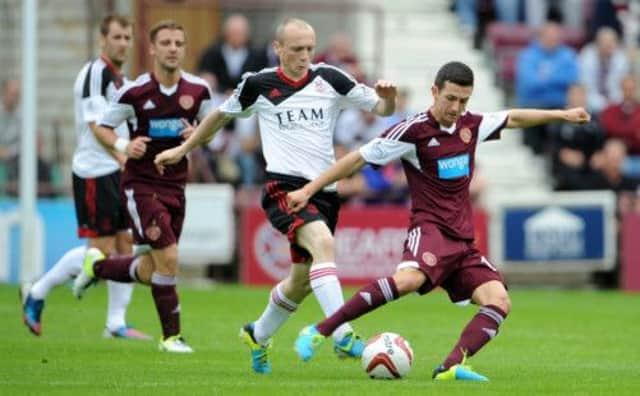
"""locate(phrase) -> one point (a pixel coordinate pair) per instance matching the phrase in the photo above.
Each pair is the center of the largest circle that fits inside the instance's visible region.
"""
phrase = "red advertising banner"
(369, 243)
(630, 249)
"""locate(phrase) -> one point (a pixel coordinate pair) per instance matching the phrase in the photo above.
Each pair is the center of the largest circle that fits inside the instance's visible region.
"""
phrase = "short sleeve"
(206, 104)
(381, 151)
(241, 102)
(362, 97)
(353, 94)
(119, 110)
(492, 124)
(94, 100)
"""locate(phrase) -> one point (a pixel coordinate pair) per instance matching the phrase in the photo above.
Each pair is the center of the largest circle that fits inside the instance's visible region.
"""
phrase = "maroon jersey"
(439, 164)
(156, 111)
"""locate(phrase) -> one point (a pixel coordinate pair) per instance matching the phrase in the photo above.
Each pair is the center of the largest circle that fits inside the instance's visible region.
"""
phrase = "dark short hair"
(165, 24)
(122, 20)
(454, 72)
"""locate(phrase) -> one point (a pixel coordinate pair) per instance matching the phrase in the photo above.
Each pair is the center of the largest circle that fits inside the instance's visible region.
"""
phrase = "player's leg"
(484, 285)
(119, 297)
(283, 301)
(317, 239)
(68, 266)
(367, 299)
(165, 297)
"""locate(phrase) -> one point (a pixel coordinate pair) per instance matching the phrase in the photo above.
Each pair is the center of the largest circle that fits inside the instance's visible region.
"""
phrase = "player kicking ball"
(437, 150)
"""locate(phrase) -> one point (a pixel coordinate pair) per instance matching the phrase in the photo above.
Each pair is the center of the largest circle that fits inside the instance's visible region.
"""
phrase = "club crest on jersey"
(429, 259)
(453, 167)
(186, 101)
(465, 135)
(318, 85)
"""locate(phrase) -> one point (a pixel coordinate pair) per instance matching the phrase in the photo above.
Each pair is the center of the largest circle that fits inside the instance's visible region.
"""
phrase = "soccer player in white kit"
(297, 105)
(96, 184)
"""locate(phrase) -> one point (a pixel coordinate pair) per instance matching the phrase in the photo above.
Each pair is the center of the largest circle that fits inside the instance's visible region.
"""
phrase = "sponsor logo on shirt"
(165, 127)
(295, 118)
(453, 167)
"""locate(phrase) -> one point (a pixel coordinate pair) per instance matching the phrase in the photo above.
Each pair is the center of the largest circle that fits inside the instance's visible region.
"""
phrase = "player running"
(160, 106)
(96, 185)
(297, 105)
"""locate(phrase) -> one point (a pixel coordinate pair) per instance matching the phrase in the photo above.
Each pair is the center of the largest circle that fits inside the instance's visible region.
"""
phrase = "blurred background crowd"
(540, 53)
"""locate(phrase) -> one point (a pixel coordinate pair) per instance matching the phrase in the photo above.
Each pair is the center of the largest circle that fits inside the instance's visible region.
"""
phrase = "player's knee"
(502, 301)
(408, 281)
(322, 247)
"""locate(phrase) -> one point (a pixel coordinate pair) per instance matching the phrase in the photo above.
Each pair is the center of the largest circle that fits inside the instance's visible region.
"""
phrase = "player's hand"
(168, 157)
(577, 114)
(386, 89)
(188, 128)
(296, 200)
(137, 147)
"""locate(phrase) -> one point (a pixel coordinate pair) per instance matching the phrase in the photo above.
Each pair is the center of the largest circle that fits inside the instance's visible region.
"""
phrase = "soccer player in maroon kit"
(437, 149)
(160, 107)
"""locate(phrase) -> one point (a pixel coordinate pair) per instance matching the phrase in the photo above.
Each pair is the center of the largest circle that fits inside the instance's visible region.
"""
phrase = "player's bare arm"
(132, 149)
(346, 166)
(203, 133)
(525, 118)
(120, 157)
(387, 92)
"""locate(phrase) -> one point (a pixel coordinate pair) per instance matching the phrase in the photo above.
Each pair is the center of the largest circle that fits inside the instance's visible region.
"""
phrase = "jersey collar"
(296, 84)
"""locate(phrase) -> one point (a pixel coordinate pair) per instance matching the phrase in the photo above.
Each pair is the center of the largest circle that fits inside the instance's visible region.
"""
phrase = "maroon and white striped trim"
(321, 270)
(282, 301)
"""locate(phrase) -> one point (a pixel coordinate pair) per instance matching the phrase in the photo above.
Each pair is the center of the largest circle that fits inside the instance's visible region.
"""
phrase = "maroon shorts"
(155, 217)
(455, 265)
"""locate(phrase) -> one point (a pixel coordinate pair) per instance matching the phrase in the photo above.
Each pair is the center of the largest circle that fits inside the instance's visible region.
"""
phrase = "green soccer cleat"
(259, 353)
(174, 344)
(350, 346)
(86, 277)
(457, 372)
(308, 342)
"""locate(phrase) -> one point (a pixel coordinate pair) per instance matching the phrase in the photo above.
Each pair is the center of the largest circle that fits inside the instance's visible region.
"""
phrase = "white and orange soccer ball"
(387, 356)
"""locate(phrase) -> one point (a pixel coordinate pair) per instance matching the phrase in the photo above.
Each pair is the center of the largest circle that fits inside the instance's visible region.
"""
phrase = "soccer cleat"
(457, 372)
(86, 277)
(174, 344)
(259, 353)
(31, 313)
(126, 332)
(350, 346)
(308, 341)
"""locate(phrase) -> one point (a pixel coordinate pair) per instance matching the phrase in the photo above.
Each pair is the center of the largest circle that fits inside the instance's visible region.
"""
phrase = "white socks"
(275, 314)
(328, 292)
(119, 298)
(63, 270)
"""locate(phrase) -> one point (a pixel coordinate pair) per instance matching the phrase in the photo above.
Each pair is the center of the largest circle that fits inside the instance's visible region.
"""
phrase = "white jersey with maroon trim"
(297, 118)
(439, 164)
(95, 86)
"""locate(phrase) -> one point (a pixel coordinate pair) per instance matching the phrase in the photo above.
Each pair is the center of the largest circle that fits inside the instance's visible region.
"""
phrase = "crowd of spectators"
(598, 70)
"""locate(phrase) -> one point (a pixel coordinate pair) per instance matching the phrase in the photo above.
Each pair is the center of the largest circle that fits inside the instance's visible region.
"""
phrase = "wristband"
(121, 145)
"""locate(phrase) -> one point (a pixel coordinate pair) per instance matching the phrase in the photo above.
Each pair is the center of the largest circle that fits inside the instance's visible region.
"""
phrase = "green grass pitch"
(554, 343)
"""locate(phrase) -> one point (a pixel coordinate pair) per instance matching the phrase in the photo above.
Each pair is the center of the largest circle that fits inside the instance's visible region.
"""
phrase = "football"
(387, 356)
